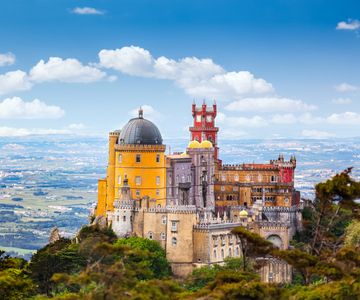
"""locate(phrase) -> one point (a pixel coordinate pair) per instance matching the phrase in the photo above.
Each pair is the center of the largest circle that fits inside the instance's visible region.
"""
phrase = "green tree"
(252, 245)
(155, 261)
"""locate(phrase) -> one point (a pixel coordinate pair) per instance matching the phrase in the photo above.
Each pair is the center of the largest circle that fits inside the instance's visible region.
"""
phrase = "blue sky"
(277, 69)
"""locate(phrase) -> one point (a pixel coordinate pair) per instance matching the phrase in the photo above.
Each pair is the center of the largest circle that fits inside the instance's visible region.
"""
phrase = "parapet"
(125, 147)
(124, 204)
(181, 208)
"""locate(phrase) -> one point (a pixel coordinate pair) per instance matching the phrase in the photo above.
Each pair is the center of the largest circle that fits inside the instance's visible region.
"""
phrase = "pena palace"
(190, 201)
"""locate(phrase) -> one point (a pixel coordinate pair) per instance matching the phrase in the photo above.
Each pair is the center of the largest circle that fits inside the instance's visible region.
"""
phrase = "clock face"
(198, 118)
(208, 118)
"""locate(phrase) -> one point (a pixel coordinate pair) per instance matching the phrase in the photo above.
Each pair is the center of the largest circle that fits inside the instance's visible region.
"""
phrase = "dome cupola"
(139, 131)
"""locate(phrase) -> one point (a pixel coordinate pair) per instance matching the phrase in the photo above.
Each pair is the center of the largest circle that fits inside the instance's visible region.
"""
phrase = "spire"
(214, 102)
(204, 103)
(194, 102)
(141, 113)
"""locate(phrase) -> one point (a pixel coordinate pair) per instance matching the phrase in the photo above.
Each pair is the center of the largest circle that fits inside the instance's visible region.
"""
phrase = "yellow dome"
(206, 144)
(183, 154)
(243, 214)
(194, 144)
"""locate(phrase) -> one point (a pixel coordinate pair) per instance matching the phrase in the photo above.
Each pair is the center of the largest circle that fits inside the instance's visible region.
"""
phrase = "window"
(274, 178)
(174, 241)
(137, 193)
(157, 158)
(170, 179)
(124, 218)
(216, 241)
(260, 177)
(119, 192)
(177, 191)
(286, 199)
(169, 191)
(119, 179)
(231, 239)
(157, 180)
(138, 158)
(163, 236)
(119, 158)
(118, 218)
(235, 188)
(188, 178)
(177, 179)
(182, 167)
(222, 188)
(137, 180)
(214, 254)
(230, 254)
(270, 276)
(163, 220)
(237, 251)
(237, 239)
(222, 253)
(183, 178)
(157, 192)
(173, 226)
(236, 177)
(223, 240)
(248, 177)
(150, 235)
(223, 177)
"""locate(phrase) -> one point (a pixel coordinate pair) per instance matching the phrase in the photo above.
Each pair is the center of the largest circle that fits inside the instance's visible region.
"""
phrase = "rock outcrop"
(101, 221)
(54, 235)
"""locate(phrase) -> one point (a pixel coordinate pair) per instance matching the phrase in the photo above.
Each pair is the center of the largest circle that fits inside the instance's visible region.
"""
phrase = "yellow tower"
(138, 152)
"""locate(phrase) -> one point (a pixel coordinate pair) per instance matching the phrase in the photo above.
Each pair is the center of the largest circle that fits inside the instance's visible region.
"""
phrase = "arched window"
(150, 235)
(183, 178)
(119, 158)
(236, 177)
(223, 177)
(237, 251)
(230, 252)
(248, 177)
(159, 205)
(188, 178)
(170, 179)
(260, 177)
(163, 236)
(174, 241)
(215, 254)
(163, 220)
(222, 253)
(119, 179)
(177, 179)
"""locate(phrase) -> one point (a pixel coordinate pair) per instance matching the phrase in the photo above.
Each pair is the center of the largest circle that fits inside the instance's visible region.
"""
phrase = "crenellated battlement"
(247, 167)
(181, 209)
(125, 147)
(124, 204)
(274, 224)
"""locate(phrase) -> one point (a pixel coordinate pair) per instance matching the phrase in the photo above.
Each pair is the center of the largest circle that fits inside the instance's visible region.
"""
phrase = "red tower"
(204, 125)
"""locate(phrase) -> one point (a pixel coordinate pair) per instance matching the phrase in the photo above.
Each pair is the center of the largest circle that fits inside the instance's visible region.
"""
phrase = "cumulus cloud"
(112, 78)
(16, 108)
(283, 119)
(345, 87)
(77, 126)
(148, 111)
(11, 131)
(68, 70)
(87, 11)
(255, 121)
(198, 77)
(7, 59)
(351, 25)
(232, 133)
(348, 118)
(341, 100)
(269, 104)
(14, 81)
(314, 134)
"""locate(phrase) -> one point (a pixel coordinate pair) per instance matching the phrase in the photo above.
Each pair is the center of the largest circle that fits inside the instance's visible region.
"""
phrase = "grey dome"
(140, 131)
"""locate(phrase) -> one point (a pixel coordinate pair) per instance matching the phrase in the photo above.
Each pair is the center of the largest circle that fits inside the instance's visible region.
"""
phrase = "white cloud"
(68, 70)
(314, 134)
(341, 100)
(345, 87)
(269, 104)
(283, 119)
(112, 78)
(255, 121)
(14, 81)
(232, 133)
(10, 131)
(307, 118)
(198, 77)
(87, 11)
(351, 25)
(348, 118)
(7, 59)
(148, 111)
(16, 108)
(76, 126)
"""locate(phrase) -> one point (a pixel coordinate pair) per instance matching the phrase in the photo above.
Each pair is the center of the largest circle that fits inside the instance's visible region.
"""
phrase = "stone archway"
(276, 240)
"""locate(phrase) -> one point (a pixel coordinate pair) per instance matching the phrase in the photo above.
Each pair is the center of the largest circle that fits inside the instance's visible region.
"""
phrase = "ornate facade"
(190, 201)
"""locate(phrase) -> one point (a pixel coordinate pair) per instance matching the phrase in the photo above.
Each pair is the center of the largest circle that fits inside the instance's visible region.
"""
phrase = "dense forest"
(96, 265)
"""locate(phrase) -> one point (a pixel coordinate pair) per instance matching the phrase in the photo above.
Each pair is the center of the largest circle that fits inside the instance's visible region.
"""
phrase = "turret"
(193, 108)
(215, 110)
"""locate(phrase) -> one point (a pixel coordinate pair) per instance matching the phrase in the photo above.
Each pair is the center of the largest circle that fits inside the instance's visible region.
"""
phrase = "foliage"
(154, 262)
(252, 245)
(353, 234)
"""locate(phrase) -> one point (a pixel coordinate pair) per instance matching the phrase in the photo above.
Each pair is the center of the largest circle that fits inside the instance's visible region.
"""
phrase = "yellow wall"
(113, 136)
(101, 206)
